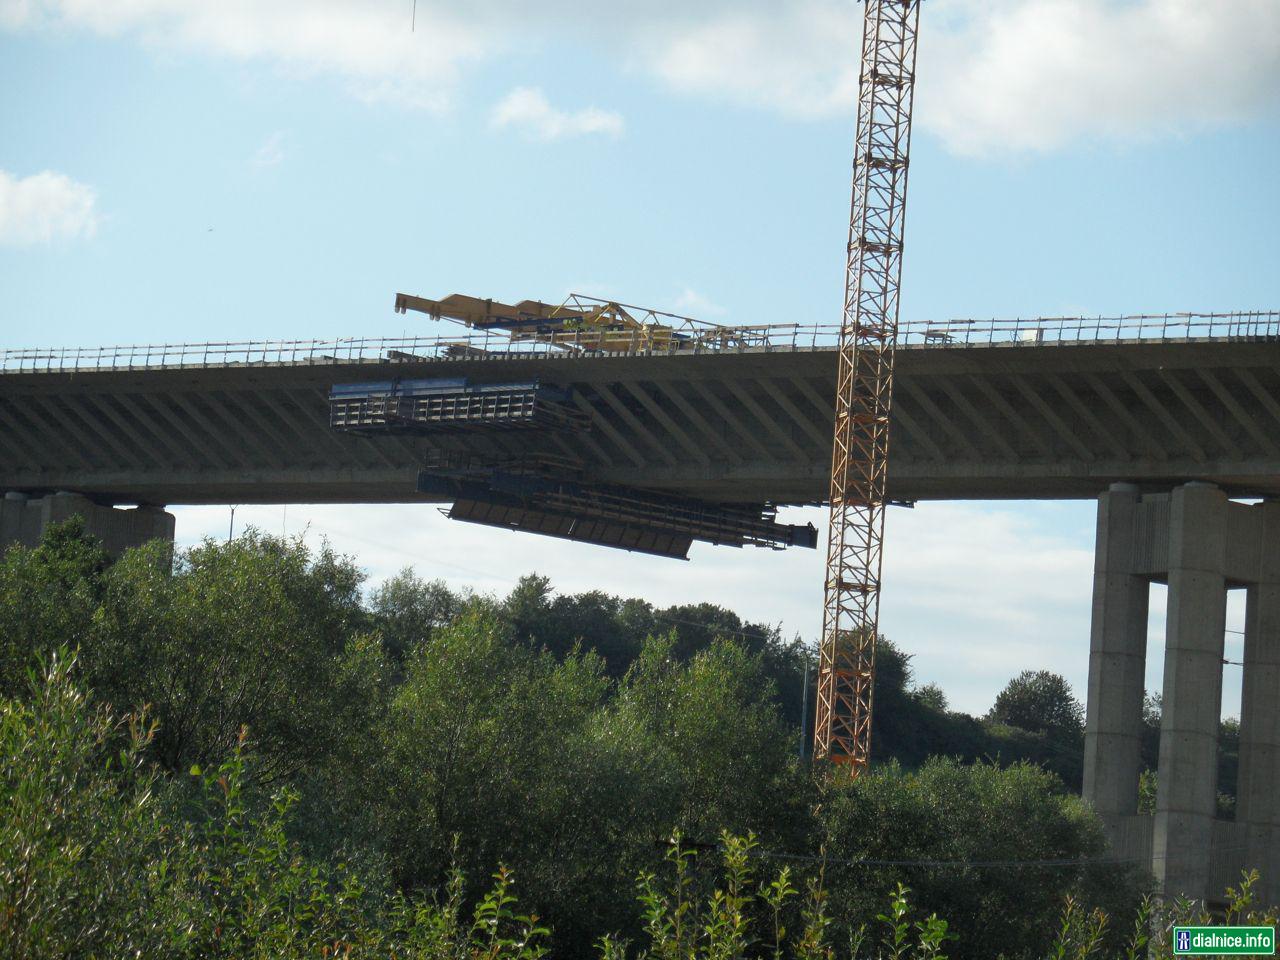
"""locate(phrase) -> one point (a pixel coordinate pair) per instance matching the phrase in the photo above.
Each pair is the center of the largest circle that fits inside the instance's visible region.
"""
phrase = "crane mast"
(864, 384)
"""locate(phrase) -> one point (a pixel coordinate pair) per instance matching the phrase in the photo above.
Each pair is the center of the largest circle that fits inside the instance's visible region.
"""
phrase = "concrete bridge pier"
(1258, 793)
(1200, 544)
(24, 519)
(1195, 631)
(1117, 661)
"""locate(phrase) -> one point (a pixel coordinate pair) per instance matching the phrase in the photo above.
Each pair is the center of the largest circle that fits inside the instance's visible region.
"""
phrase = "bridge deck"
(1018, 419)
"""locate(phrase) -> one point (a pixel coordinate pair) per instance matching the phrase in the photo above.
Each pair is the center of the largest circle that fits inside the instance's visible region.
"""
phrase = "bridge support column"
(1258, 793)
(1201, 544)
(1196, 624)
(1117, 661)
(23, 520)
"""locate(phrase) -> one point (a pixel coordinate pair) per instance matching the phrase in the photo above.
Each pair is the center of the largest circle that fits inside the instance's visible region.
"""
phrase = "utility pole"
(804, 704)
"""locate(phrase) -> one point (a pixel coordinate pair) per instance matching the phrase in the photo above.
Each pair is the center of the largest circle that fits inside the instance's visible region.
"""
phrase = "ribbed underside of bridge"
(998, 421)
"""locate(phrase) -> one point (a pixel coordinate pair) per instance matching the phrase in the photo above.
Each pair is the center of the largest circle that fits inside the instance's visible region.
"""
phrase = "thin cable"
(966, 864)
(490, 575)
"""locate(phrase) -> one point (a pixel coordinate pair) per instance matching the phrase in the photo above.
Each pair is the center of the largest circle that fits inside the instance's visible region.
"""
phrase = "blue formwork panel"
(449, 404)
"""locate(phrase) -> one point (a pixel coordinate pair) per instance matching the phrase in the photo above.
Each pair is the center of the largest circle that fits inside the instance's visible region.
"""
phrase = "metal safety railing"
(494, 344)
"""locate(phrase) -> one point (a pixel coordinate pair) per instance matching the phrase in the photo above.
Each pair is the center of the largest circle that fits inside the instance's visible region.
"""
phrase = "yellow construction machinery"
(583, 323)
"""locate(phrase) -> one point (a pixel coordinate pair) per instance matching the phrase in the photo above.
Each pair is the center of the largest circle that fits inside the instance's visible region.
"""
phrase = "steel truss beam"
(864, 383)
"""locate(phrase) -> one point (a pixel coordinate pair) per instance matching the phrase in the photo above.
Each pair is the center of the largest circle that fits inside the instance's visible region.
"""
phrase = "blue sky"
(182, 171)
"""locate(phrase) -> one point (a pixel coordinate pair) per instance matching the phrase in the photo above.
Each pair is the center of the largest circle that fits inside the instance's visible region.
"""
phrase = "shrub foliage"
(237, 751)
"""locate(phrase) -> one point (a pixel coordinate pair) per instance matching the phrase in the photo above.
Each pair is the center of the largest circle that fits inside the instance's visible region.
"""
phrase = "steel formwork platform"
(450, 404)
(631, 518)
(594, 530)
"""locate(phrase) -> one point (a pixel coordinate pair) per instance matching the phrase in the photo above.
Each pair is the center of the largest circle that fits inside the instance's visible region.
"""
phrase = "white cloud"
(796, 59)
(995, 75)
(1038, 74)
(368, 45)
(1005, 75)
(978, 592)
(271, 153)
(45, 207)
(693, 304)
(528, 110)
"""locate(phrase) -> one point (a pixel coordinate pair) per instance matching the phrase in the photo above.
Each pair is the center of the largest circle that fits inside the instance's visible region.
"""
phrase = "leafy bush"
(80, 828)
(485, 742)
(961, 836)
(48, 596)
(248, 633)
(98, 858)
(407, 611)
(1041, 702)
(358, 754)
(1082, 934)
(497, 753)
(739, 917)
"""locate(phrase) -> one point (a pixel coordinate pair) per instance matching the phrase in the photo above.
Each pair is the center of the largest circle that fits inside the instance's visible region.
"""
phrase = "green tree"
(483, 742)
(517, 756)
(1152, 711)
(79, 826)
(907, 727)
(708, 729)
(97, 860)
(47, 598)
(617, 628)
(697, 626)
(1040, 702)
(561, 623)
(407, 610)
(252, 633)
(932, 696)
(971, 840)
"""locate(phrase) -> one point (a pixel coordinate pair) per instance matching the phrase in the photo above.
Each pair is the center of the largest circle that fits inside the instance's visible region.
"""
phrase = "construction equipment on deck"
(864, 384)
(584, 324)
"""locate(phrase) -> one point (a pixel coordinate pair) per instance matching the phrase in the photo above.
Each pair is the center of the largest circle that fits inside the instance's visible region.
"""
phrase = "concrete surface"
(1201, 544)
(973, 422)
(23, 520)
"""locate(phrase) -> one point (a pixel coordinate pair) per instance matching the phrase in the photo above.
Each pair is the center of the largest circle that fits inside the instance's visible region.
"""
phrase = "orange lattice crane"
(864, 384)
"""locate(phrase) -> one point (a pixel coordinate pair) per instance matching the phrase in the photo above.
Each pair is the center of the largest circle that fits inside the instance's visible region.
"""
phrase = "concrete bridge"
(1009, 417)
(1168, 422)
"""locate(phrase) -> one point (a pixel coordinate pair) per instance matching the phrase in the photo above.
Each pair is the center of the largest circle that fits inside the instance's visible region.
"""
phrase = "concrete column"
(1117, 660)
(13, 510)
(1258, 793)
(1186, 799)
(23, 520)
